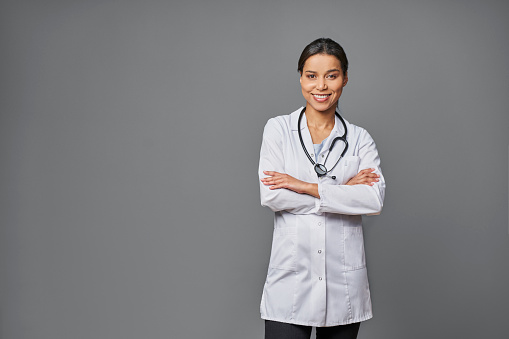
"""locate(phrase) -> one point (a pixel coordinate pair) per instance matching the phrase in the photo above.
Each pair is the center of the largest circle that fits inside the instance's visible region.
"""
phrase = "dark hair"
(324, 46)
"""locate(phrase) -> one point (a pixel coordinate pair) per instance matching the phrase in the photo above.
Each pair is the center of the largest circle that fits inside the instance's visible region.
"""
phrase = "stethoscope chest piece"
(320, 170)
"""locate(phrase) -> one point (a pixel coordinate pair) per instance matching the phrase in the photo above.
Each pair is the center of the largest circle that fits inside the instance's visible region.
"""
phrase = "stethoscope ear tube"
(320, 169)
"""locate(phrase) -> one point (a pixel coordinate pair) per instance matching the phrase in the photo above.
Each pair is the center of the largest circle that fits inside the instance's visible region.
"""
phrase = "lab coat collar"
(294, 120)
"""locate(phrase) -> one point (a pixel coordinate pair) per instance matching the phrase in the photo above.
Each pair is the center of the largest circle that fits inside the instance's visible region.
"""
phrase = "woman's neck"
(320, 124)
(320, 120)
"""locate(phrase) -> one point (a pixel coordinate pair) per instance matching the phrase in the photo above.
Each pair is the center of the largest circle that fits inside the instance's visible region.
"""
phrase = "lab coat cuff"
(319, 201)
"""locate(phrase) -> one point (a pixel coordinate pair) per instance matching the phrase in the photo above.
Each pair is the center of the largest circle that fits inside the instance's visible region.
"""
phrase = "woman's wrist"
(312, 189)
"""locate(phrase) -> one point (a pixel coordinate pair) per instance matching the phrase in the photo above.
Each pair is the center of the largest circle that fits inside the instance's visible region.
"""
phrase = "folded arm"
(357, 199)
(272, 161)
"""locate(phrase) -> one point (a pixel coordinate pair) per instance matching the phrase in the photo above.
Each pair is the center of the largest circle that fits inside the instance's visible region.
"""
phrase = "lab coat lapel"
(336, 151)
(308, 171)
(337, 131)
(306, 136)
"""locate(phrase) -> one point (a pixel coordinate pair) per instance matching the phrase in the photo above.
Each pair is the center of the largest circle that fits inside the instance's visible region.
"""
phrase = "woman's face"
(322, 82)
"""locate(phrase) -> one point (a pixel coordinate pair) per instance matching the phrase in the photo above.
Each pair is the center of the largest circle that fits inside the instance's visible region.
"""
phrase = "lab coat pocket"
(354, 248)
(350, 167)
(284, 243)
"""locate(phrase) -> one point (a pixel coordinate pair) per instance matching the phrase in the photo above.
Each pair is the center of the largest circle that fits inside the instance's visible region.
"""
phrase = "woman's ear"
(345, 79)
(300, 77)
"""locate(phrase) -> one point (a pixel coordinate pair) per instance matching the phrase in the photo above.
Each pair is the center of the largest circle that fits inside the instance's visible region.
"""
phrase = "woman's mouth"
(321, 97)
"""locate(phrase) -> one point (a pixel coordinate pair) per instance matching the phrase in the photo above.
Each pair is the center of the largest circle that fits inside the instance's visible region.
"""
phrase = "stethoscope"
(320, 169)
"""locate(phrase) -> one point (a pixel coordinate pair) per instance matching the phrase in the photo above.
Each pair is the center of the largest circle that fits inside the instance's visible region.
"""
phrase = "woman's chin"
(324, 107)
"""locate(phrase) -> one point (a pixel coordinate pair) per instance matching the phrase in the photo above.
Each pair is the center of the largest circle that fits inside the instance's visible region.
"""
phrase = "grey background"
(129, 141)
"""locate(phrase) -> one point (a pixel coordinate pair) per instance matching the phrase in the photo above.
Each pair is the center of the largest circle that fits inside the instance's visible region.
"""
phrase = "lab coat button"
(319, 278)
(319, 251)
(319, 224)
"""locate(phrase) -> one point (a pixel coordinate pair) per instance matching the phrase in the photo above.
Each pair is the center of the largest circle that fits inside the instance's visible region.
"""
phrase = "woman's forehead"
(322, 62)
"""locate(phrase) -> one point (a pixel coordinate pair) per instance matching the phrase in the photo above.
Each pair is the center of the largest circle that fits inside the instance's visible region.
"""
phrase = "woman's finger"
(271, 173)
(368, 174)
(367, 179)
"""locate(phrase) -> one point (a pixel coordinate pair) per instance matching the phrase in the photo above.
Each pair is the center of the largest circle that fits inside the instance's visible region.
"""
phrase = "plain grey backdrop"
(129, 144)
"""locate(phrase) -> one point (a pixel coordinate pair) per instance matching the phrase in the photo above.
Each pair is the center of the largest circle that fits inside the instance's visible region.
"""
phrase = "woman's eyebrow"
(330, 70)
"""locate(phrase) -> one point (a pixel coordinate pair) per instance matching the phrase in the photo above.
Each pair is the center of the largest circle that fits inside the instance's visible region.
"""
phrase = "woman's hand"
(364, 177)
(276, 180)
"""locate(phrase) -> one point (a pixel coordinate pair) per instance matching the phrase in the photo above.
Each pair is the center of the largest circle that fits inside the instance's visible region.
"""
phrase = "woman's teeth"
(321, 96)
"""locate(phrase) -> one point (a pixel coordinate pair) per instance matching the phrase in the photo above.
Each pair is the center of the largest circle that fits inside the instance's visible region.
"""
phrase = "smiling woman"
(317, 271)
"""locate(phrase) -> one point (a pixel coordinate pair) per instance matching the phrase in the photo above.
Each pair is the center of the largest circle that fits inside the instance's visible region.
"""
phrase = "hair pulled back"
(324, 46)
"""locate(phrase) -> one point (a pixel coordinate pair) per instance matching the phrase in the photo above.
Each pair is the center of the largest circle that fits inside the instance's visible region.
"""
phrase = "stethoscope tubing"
(319, 168)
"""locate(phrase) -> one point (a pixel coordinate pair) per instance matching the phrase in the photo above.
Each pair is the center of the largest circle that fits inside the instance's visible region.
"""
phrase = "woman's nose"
(321, 85)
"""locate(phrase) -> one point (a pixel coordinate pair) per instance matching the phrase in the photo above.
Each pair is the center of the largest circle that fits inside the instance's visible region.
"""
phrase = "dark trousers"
(278, 330)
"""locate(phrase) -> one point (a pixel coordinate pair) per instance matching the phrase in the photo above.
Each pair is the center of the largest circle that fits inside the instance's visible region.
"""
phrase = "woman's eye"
(332, 76)
(311, 76)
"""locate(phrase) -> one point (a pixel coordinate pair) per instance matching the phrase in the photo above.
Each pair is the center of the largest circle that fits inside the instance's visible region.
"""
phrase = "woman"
(319, 174)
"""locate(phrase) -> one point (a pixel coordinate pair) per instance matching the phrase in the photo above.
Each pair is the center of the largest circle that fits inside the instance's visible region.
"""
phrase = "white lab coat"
(317, 271)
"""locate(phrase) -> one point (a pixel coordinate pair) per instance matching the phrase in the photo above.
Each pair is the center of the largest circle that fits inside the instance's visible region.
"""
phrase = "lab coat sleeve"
(356, 199)
(272, 159)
